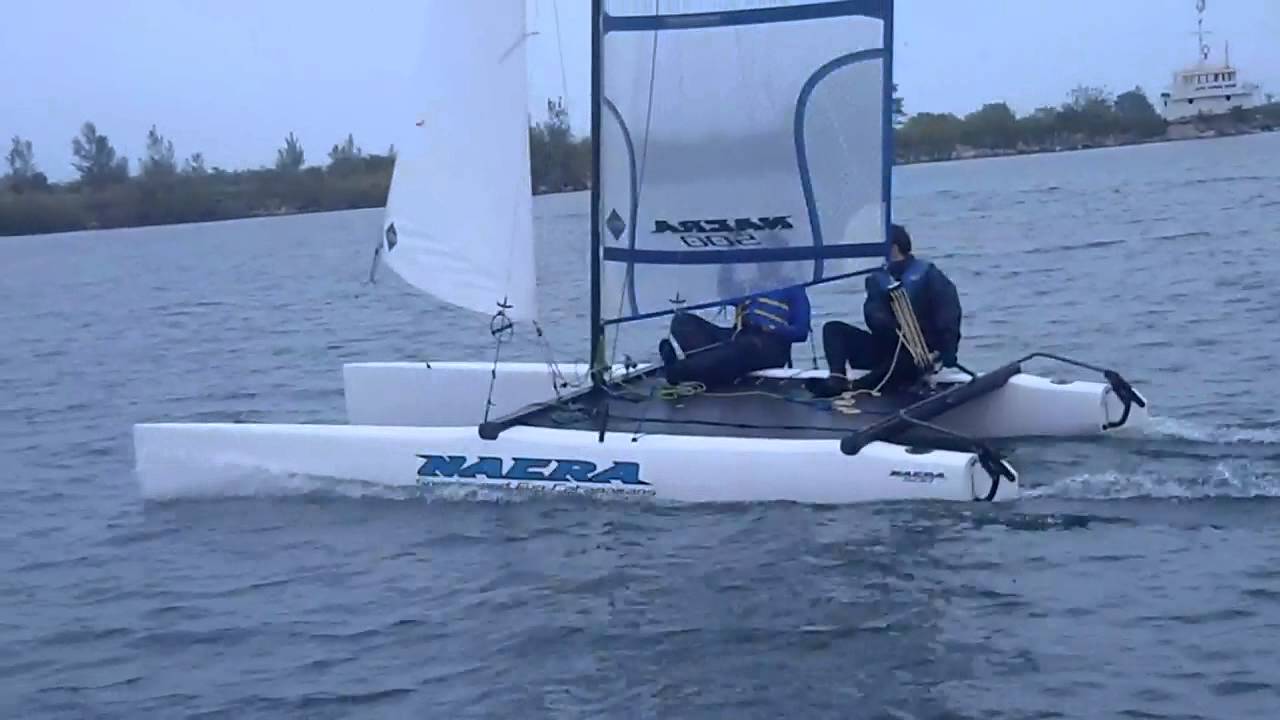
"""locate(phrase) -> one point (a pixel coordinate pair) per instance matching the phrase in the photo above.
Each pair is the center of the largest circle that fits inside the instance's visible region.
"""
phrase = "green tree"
(1040, 128)
(899, 111)
(1088, 112)
(931, 136)
(96, 159)
(1083, 97)
(159, 162)
(346, 158)
(346, 151)
(194, 166)
(993, 126)
(550, 150)
(290, 157)
(580, 163)
(21, 159)
(1135, 114)
(23, 174)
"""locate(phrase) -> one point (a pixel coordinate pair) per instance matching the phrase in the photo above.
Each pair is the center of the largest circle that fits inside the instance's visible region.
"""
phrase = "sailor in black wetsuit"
(766, 326)
(937, 308)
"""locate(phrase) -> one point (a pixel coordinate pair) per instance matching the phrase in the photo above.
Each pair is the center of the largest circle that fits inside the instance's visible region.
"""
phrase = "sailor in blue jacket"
(937, 308)
(765, 327)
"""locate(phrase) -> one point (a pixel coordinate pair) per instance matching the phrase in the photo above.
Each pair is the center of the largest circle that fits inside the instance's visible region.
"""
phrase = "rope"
(846, 402)
(683, 390)
(558, 379)
(564, 76)
(909, 328)
(648, 114)
(501, 328)
(692, 388)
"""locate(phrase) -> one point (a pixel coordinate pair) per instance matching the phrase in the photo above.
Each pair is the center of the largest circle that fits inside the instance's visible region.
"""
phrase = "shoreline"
(958, 156)
(987, 153)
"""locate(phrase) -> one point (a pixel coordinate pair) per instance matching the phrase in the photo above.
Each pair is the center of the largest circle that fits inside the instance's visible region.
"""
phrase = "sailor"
(881, 352)
(765, 326)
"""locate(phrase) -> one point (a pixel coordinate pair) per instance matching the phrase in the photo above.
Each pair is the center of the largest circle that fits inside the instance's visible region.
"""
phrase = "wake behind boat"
(716, 156)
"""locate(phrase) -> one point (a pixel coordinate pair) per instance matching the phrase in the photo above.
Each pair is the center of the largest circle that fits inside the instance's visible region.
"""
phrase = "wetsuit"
(937, 308)
(766, 326)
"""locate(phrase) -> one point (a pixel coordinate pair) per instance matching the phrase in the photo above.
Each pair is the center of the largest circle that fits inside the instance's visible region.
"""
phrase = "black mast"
(596, 363)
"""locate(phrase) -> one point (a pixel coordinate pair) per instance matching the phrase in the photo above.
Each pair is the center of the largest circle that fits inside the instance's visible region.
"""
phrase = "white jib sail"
(459, 222)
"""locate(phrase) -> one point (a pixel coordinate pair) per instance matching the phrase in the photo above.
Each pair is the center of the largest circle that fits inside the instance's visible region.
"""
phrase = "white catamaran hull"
(441, 394)
(678, 468)
(415, 424)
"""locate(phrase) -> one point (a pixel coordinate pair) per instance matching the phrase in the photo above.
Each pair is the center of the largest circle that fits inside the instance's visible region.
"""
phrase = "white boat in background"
(806, 162)
(1207, 89)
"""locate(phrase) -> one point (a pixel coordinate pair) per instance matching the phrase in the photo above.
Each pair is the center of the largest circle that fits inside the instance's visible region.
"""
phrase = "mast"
(596, 363)
(887, 162)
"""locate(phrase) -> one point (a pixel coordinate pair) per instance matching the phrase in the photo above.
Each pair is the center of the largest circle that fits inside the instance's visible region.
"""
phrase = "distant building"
(1206, 88)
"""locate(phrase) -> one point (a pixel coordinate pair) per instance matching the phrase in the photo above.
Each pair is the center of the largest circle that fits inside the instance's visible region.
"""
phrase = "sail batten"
(782, 12)
(759, 130)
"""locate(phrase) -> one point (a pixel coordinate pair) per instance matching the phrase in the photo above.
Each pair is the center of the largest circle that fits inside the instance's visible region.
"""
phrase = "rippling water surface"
(1139, 580)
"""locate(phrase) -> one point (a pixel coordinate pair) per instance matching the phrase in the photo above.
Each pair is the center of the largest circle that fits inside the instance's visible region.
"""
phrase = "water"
(1139, 580)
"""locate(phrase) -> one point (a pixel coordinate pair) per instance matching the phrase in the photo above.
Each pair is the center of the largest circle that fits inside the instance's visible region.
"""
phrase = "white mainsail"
(458, 221)
(743, 147)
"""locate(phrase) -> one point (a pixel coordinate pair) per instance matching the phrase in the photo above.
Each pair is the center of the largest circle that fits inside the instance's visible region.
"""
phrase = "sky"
(232, 78)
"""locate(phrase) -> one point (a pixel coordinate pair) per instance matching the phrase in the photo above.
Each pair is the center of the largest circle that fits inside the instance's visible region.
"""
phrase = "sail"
(458, 221)
(745, 146)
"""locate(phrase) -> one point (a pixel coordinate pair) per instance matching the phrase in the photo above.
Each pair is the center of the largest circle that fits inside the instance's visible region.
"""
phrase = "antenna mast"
(1204, 47)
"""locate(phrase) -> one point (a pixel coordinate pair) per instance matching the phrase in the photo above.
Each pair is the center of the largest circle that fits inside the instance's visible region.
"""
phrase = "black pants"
(714, 356)
(849, 347)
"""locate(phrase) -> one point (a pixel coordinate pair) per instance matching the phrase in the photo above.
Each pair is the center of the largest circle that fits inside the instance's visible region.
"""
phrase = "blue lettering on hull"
(523, 470)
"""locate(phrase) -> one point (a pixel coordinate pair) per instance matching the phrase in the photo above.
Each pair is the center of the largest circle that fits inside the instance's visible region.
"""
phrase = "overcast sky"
(231, 78)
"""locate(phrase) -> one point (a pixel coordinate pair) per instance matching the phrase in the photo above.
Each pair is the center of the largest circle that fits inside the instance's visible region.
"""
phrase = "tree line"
(1090, 117)
(165, 190)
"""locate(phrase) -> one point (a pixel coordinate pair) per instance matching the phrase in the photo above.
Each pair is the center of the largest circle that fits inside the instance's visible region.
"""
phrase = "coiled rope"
(909, 331)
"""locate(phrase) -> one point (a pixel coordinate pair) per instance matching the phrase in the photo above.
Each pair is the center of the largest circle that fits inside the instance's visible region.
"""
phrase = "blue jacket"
(784, 312)
(933, 297)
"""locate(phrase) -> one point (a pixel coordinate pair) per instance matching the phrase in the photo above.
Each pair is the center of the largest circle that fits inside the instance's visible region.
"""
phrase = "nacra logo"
(722, 225)
(722, 232)
(918, 476)
(529, 470)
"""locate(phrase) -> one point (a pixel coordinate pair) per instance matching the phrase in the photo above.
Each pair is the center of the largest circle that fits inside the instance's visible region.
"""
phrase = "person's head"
(899, 243)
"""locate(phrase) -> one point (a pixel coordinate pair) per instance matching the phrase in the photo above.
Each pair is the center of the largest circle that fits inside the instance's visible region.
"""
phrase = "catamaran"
(760, 131)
